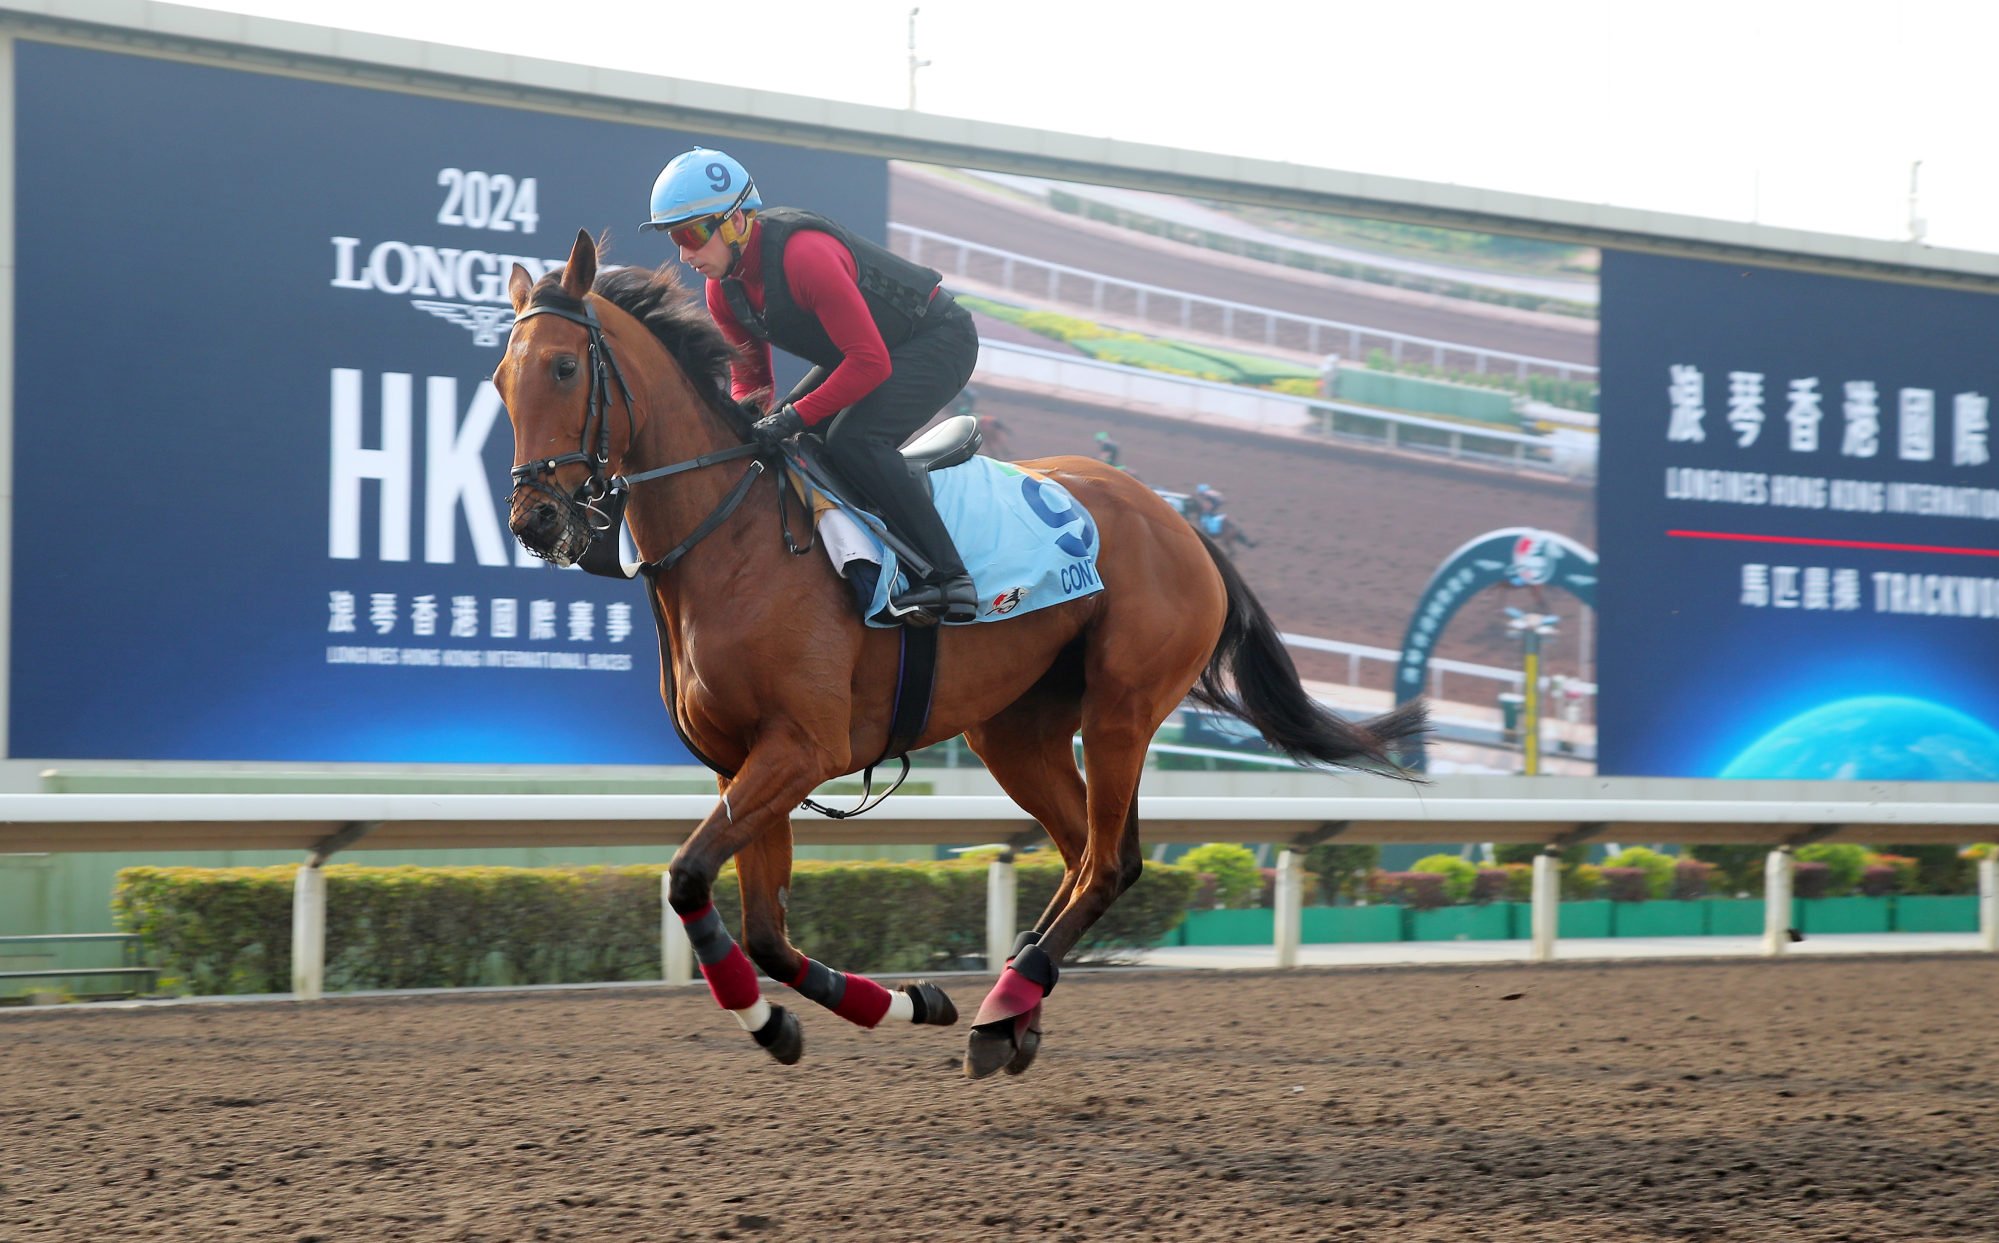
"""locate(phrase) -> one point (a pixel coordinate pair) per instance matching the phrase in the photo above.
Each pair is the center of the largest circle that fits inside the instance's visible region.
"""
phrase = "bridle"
(594, 512)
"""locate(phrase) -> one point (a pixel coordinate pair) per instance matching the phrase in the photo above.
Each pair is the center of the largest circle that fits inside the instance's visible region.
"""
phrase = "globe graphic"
(1875, 738)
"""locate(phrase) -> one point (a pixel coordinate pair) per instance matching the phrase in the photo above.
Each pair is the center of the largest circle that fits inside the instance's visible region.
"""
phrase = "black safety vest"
(897, 292)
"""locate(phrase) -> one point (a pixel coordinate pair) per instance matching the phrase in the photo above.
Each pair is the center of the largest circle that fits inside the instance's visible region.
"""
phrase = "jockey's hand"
(774, 429)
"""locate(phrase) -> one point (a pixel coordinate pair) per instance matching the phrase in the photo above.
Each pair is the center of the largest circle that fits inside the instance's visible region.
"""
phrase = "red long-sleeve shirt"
(824, 281)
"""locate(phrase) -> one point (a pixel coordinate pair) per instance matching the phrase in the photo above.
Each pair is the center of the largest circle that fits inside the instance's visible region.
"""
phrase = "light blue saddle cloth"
(1025, 541)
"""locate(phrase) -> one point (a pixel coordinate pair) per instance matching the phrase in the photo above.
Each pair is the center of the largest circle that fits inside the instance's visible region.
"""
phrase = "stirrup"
(953, 599)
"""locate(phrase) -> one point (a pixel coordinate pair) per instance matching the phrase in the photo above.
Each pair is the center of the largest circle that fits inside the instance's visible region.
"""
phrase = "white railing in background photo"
(1086, 379)
(1234, 320)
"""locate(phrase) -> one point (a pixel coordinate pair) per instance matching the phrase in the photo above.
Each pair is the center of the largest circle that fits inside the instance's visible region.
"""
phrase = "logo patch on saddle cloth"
(1027, 543)
(1007, 601)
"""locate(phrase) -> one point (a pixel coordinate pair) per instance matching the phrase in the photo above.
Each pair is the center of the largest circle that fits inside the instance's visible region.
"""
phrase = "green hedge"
(228, 930)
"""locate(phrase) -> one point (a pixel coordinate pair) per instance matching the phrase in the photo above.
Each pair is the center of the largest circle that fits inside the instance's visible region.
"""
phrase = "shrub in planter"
(1741, 867)
(1459, 874)
(1423, 891)
(1512, 882)
(1658, 868)
(1626, 884)
(1844, 862)
(1690, 879)
(1811, 879)
(1342, 869)
(1939, 869)
(1902, 866)
(1488, 885)
(1582, 882)
(228, 930)
(1878, 880)
(1238, 881)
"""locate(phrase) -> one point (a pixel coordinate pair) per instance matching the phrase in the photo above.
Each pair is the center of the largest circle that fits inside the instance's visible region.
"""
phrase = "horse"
(774, 680)
(1225, 531)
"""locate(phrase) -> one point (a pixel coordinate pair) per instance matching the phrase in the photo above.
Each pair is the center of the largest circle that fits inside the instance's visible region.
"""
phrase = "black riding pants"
(865, 443)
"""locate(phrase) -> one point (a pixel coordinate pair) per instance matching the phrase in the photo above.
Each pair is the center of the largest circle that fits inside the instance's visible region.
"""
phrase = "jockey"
(891, 346)
(1208, 500)
(1107, 450)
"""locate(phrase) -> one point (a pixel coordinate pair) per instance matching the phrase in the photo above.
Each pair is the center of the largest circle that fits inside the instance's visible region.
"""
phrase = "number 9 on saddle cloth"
(1026, 542)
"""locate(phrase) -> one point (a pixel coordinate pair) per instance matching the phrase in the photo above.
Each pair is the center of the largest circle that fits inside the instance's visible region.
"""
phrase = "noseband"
(593, 514)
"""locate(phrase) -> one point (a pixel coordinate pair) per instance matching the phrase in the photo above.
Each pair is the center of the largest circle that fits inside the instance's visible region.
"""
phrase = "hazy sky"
(1807, 115)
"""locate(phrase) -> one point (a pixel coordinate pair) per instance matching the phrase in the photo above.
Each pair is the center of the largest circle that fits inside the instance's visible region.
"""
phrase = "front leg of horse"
(763, 870)
(756, 805)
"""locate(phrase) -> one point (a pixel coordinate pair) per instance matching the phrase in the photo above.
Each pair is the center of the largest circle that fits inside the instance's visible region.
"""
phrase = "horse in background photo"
(774, 679)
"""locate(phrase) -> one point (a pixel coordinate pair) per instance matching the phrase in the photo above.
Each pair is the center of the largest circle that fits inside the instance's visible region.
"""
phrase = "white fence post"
(1777, 902)
(676, 951)
(1988, 902)
(1288, 906)
(1001, 898)
(309, 932)
(1545, 913)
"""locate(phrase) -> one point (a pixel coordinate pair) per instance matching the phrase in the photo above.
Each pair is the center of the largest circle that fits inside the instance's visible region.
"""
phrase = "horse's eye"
(564, 368)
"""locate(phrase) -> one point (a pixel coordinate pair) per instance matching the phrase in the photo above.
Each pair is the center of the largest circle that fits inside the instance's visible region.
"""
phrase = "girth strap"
(915, 685)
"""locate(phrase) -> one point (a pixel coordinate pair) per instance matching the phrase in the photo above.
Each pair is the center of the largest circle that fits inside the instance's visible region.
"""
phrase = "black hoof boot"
(991, 1049)
(932, 1004)
(1027, 1042)
(782, 1036)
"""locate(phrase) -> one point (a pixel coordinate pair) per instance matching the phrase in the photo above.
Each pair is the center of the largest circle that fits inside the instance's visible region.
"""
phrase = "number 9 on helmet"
(700, 183)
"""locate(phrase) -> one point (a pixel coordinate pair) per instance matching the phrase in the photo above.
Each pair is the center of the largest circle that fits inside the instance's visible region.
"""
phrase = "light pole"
(1530, 629)
(914, 62)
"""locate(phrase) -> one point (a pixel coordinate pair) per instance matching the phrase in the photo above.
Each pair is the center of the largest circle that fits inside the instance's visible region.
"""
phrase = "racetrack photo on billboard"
(1366, 403)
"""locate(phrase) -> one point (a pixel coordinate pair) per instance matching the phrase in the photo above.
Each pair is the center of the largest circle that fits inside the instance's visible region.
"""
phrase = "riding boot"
(905, 504)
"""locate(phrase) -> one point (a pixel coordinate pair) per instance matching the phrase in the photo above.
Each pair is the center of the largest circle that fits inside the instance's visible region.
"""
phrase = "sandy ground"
(1823, 1100)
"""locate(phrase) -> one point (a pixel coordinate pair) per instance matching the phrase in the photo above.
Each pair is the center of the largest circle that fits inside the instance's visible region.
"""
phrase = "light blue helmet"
(699, 183)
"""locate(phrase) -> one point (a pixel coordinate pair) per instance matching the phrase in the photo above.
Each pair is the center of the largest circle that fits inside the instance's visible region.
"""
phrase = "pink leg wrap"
(1015, 994)
(864, 1003)
(733, 980)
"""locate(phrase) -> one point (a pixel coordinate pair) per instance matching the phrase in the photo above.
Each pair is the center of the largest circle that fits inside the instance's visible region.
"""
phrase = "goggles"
(694, 234)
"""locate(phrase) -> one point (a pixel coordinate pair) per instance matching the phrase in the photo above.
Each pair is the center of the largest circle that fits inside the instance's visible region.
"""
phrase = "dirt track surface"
(1816, 1100)
(1347, 538)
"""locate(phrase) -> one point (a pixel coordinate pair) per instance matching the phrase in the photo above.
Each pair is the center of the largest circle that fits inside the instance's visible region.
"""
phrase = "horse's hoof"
(933, 1003)
(1028, 1041)
(783, 1036)
(991, 1049)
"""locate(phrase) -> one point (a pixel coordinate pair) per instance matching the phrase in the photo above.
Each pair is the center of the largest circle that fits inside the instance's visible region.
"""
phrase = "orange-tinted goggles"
(695, 233)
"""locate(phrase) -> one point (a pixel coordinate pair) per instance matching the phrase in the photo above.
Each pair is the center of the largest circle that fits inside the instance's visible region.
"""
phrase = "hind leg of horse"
(1114, 742)
(763, 870)
(1029, 750)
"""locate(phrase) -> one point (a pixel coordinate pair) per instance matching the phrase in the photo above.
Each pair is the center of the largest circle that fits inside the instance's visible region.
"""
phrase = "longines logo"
(488, 323)
(466, 286)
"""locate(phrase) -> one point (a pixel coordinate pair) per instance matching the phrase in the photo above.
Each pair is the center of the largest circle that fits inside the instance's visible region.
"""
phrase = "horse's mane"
(657, 299)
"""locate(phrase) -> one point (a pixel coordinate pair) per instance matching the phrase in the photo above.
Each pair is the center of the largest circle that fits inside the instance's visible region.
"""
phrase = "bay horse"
(775, 681)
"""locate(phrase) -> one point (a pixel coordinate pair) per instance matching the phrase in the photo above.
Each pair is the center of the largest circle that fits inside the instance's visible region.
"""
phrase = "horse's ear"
(519, 286)
(581, 270)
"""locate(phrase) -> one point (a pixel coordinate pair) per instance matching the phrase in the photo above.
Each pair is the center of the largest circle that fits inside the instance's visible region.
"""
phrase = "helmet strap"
(736, 237)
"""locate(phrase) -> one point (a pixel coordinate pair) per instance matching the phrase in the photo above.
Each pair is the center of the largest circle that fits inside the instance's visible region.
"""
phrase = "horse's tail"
(1251, 676)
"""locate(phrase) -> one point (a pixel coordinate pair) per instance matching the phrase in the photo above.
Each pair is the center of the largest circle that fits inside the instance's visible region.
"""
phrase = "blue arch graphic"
(1521, 556)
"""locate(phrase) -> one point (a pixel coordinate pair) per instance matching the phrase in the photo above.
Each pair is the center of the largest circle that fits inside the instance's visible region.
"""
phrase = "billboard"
(260, 480)
(1800, 568)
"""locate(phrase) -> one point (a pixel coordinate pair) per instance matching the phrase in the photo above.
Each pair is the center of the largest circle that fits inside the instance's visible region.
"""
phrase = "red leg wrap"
(864, 1003)
(1014, 994)
(733, 980)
